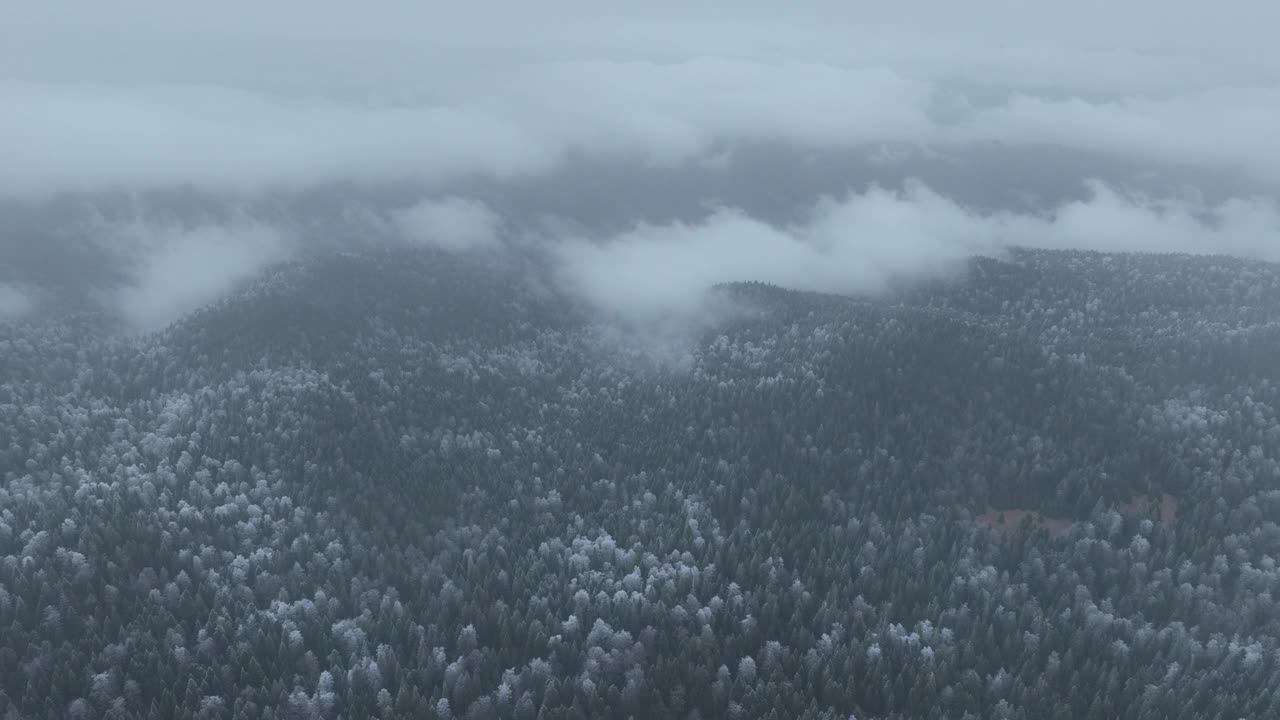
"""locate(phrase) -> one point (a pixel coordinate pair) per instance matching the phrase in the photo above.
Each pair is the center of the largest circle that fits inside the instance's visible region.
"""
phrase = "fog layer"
(653, 150)
(864, 243)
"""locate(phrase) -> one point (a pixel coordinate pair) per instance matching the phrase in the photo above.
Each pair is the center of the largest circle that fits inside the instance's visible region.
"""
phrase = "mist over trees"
(592, 360)
(408, 483)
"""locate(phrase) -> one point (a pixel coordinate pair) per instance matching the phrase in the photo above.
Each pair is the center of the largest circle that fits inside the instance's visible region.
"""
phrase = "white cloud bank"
(524, 121)
(248, 100)
(241, 97)
(14, 303)
(452, 224)
(865, 242)
(182, 269)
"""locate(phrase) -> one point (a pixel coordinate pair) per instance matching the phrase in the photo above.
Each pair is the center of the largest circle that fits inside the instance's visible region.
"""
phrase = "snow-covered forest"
(404, 483)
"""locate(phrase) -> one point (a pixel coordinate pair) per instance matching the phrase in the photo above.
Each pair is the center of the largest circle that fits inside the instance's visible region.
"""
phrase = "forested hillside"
(412, 484)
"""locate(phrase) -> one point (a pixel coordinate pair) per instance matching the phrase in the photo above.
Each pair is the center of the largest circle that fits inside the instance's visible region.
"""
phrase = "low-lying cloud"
(452, 223)
(856, 244)
(1113, 222)
(14, 303)
(466, 125)
(181, 269)
(525, 121)
(866, 243)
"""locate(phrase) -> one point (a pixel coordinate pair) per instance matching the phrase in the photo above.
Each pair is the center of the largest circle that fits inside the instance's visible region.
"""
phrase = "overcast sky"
(825, 145)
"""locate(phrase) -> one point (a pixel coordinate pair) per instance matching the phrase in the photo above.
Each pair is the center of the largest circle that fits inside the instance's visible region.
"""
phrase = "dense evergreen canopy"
(407, 484)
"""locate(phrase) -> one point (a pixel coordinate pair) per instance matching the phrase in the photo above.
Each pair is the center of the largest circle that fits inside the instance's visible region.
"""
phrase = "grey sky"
(192, 140)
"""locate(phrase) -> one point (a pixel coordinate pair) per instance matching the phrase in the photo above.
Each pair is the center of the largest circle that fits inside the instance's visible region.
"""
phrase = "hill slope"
(408, 484)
